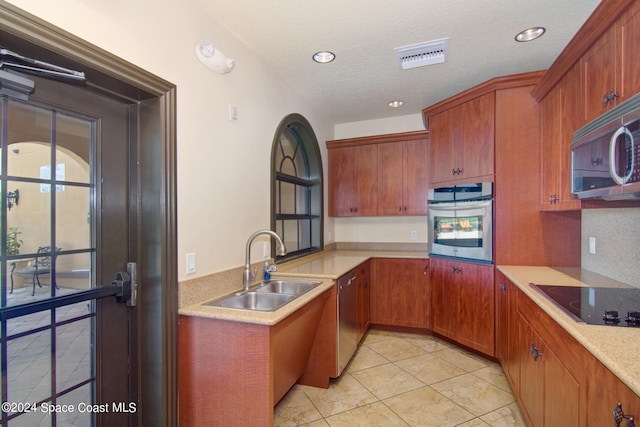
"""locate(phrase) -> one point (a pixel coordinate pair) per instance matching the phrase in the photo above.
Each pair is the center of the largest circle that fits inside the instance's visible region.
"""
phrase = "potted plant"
(13, 241)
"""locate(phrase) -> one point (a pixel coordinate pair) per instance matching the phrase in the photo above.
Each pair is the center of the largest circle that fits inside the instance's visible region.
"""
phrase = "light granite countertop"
(616, 347)
(325, 267)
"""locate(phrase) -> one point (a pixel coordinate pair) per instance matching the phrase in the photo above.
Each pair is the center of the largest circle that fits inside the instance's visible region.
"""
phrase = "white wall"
(408, 123)
(223, 167)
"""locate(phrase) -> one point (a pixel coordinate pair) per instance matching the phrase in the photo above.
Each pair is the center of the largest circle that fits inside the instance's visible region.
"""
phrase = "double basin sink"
(268, 295)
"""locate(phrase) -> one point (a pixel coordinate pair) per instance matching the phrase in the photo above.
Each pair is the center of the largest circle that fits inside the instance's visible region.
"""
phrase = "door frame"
(155, 246)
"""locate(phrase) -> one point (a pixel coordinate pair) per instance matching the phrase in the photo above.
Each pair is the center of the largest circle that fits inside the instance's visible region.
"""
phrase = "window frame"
(308, 143)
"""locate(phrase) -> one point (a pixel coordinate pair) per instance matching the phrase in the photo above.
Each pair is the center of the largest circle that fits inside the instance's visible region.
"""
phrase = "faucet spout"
(248, 276)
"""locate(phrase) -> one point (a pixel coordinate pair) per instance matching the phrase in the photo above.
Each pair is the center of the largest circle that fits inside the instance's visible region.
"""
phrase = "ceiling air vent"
(422, 54)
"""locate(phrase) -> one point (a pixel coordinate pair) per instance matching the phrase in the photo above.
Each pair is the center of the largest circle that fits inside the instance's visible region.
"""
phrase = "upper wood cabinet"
(379, 175)
(353, 173)
(403, 178)
(609, 66)
(462, 141)
(559, 119)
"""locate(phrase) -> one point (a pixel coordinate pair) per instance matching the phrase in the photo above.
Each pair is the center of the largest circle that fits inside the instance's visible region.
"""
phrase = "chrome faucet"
(248, 276)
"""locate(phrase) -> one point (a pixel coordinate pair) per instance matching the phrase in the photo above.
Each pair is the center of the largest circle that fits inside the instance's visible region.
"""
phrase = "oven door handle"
(461, 206)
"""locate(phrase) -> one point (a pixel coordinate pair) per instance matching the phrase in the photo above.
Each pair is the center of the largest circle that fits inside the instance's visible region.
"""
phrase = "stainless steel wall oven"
(461, 221)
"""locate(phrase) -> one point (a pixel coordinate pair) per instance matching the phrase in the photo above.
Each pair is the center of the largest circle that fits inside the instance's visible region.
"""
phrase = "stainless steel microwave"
(605, 155)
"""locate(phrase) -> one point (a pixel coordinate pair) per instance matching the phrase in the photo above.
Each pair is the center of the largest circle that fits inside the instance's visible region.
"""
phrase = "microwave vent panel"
(422, 54)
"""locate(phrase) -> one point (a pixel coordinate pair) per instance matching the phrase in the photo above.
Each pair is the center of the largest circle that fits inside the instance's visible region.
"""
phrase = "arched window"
(296, 187)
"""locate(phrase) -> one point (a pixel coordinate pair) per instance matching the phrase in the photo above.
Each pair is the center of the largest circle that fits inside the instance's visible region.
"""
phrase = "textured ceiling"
(366, 74)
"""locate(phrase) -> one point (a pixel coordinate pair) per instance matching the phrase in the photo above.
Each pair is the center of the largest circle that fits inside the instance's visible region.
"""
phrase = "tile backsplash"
(617, 243)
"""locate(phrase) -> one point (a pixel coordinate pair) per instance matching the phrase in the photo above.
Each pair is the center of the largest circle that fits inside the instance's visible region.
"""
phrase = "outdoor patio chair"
(38, 266)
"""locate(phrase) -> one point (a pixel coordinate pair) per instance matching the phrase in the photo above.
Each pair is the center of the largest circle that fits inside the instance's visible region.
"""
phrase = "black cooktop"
(595, 305)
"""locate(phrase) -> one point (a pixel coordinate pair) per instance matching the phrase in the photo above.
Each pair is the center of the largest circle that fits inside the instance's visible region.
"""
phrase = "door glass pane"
(73, 218)
(29, 367)
(80, 399)
(29, 139)
(31, 216)
(73, 357)
(49, 252)
(73, 147)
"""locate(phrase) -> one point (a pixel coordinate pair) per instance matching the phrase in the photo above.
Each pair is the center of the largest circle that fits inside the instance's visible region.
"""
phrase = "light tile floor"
(402, 379)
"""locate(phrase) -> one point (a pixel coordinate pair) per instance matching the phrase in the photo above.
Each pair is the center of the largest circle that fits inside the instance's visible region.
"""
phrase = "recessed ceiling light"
(324, 56)
(530, 34)
(396, 104)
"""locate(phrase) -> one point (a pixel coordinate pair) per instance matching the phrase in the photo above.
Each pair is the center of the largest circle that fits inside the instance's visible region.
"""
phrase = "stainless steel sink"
(256, 301)
(285, 287)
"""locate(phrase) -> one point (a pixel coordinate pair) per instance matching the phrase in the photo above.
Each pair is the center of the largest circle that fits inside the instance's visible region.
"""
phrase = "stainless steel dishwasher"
(347, 312)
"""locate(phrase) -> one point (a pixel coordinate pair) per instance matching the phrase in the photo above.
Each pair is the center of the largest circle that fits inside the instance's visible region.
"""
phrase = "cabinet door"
(600, 69)
(531, 373)
(341, 184)
(561, 393)
(353, 173)
(629, 47)
(365, 168)
(390, 184)
(476, 306)
(363, 298)
(400, 293)
(443, 133)
(604, 392)
(559, 120)
(415, 177)
(507, 328)
(444, 297)
(477, 137)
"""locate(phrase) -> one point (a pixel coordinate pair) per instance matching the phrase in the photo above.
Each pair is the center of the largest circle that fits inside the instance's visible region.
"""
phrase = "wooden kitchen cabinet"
(225, 364)
(609, 66)
(462, 141)
(403, 177)
(463, 303)
(380, 175)
(353, 173)
(550, 395)
(363, 298)
(604, 392)
(552, 387)
(559, 119)
(507, 328)
(400, 292)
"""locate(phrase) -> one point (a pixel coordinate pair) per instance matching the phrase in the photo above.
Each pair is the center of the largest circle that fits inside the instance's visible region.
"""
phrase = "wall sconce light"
(213, 59)
(12, 198)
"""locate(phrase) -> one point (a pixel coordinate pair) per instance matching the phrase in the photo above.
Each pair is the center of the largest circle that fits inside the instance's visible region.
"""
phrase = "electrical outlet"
(414, 235)
(191, 263)
(592, 245)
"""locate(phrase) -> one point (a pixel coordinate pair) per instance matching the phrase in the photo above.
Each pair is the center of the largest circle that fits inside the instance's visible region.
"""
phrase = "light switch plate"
(592, 245)
(191, 263)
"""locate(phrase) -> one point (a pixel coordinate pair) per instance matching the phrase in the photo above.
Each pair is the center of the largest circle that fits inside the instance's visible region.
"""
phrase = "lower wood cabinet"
(556, 380)
(507, 328)
(550, 394)
(363, 299)
(400, 292)
(604, 392)
(462, 303)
